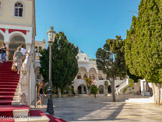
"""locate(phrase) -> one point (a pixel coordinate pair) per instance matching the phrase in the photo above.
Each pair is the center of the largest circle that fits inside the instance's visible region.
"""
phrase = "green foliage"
(85, 76)
(133, 77)
(110, 59)
(94, 89)
(143, 45)
(106, 83)
(88, 82)
(64, 62)
(131, 83)
(125, 89)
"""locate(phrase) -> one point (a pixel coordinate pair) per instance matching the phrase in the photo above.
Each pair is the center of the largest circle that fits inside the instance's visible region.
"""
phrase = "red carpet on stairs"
(8, 83)
(40, 113)
(7, 110)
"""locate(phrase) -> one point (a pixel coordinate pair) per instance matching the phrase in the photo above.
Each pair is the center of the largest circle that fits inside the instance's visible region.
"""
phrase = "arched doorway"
(1, 39)
(109, 89)
(15, 42)
(101, 89)
(82, 89)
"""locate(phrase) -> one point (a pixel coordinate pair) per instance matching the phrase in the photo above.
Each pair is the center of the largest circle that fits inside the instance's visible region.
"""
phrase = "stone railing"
(122, 86)
(27, 81)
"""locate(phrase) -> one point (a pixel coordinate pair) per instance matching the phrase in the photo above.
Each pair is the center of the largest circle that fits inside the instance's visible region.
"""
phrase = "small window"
(84, 58)
(78, 57)
(19, 9)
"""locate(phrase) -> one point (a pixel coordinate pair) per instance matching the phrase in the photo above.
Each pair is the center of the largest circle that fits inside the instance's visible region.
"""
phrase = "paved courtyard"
(102, 109)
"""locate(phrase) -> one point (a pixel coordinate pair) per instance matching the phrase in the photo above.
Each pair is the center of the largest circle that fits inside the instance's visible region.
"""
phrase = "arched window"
(79, 76)
(19, 9)
(100, 77)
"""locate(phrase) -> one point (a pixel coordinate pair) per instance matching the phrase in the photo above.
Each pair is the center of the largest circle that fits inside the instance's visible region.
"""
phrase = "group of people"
(18, 57)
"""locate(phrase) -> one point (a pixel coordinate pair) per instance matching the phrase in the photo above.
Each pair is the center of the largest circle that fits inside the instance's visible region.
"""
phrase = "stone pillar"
(6, 37)
(28, 46)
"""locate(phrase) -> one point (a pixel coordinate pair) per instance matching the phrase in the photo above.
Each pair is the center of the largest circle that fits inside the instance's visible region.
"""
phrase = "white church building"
(88, 67)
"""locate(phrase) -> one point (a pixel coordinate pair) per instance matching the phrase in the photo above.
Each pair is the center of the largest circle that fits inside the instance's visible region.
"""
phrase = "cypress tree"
(143, 45)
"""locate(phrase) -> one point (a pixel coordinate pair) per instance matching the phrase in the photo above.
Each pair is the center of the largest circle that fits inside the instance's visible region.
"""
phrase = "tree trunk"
(157, 93)
(113, 90)
(59, 92)
(69, 90)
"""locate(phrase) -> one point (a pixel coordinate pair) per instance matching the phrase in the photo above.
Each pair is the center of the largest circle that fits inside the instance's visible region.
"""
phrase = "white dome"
(82, 56)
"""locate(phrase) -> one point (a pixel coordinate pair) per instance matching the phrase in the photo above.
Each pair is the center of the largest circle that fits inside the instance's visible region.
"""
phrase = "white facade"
(17, 24)
(88, 67)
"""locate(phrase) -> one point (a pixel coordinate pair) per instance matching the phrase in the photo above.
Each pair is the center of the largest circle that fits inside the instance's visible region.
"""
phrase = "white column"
(6, 37)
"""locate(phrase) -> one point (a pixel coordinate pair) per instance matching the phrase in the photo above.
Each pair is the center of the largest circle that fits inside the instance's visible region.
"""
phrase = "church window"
(19, 9)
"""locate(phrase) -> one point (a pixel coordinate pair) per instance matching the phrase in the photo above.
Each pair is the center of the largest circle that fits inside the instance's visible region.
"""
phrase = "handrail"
(27, 79)
(123, 85)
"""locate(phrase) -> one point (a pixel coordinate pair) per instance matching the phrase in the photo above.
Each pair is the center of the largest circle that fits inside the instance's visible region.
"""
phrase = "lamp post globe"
(51, 38)
(51, 35)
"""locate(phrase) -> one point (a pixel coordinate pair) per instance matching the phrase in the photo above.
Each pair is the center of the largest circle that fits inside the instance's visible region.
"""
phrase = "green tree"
(106, 83)
(111, 61)
(94, 90)
(64, 62)
(143, 45)
(89, 83)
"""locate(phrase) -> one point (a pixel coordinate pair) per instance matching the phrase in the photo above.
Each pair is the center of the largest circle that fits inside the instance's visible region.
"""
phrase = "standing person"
(18, 59)
(40, 94)
(3, 53)
(24, 51)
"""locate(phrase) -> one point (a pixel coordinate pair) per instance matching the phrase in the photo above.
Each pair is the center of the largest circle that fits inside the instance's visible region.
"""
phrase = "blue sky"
(86, 23)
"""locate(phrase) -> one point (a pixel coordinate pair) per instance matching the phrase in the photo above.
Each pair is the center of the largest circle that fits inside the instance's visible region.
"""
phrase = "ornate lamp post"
(51, 38)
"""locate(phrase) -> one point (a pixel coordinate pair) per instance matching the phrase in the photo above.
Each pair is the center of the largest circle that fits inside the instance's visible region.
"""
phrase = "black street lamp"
(51, 38)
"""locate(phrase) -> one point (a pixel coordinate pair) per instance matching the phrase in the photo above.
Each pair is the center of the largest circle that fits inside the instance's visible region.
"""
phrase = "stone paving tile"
(101, 109)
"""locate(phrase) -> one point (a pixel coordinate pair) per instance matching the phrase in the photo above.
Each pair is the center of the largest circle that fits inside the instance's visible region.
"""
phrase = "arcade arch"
(82, 89)
(15, 41)
(82, 73)
(93, 74)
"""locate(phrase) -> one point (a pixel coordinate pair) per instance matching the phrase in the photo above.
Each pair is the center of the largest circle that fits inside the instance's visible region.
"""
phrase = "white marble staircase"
(119, 90)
